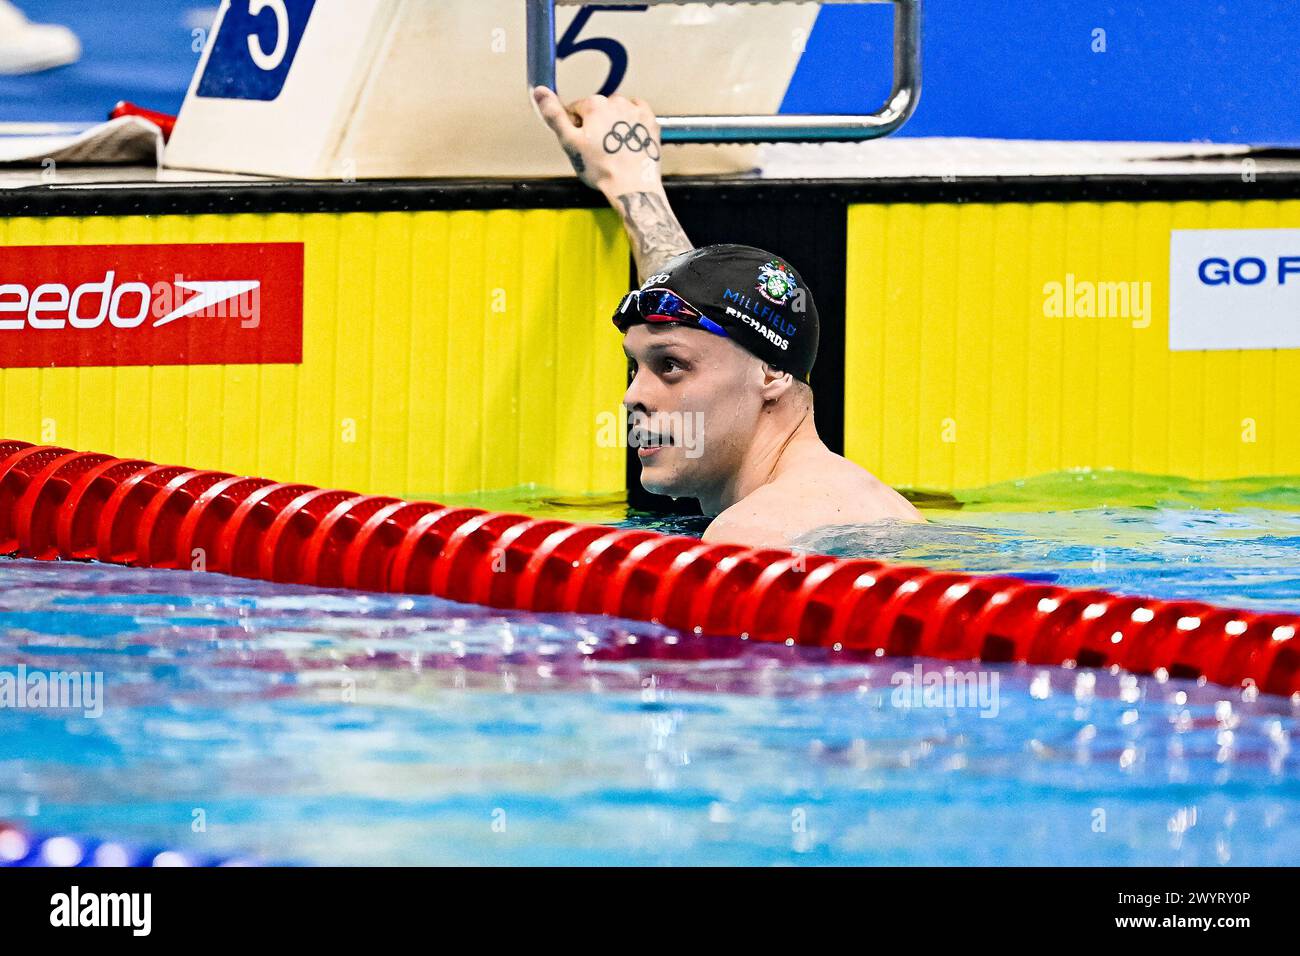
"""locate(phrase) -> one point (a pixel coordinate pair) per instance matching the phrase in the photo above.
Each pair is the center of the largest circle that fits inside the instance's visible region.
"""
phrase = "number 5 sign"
(254, 49)
(324, 89)
(569, 44)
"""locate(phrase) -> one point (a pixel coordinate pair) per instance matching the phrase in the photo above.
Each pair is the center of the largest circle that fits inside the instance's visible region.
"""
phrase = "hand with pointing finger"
(614, 142)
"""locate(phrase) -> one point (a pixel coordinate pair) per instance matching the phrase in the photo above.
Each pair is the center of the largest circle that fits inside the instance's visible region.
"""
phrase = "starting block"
(376, 89)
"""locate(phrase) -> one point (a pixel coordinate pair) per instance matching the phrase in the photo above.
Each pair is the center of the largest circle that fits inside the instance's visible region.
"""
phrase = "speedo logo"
(128, 305)
(760, 328)
(171, 304)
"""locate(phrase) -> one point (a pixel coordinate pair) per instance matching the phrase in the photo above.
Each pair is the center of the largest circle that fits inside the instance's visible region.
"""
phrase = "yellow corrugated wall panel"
(443, 352)
(956, 377)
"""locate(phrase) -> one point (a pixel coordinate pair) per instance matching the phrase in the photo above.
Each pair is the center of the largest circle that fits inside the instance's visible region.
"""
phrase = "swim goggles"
(662, 305)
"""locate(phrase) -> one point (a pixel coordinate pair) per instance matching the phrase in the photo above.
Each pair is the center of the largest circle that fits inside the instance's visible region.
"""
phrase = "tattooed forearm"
(656, 234)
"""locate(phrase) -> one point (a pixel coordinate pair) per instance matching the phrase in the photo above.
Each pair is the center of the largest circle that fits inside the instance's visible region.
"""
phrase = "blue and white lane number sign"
(254, 49)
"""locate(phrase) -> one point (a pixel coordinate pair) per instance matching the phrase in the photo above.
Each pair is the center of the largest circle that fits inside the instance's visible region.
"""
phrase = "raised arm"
(614, 146)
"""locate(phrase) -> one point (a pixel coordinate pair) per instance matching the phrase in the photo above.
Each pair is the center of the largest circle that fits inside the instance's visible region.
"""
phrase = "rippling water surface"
(328, 727)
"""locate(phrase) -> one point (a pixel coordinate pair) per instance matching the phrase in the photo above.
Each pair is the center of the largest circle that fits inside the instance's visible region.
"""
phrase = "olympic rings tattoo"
(635, 139)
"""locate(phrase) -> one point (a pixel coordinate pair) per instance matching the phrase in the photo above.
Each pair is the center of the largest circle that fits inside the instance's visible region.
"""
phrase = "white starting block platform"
(378, 89)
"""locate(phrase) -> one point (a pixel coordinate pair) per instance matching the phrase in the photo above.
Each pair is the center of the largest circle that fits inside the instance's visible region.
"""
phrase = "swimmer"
(721, 341)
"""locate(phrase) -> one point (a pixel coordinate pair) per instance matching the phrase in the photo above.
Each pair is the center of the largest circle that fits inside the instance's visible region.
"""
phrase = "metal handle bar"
(789, 128)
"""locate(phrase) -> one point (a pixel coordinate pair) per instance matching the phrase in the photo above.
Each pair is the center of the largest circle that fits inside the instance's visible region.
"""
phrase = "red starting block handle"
(163, 121)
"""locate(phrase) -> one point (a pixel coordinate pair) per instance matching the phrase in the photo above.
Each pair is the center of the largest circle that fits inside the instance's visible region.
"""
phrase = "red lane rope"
(60, 504)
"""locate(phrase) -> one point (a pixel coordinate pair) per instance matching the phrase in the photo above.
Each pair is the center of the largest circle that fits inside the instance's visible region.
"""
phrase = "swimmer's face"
(693, 405)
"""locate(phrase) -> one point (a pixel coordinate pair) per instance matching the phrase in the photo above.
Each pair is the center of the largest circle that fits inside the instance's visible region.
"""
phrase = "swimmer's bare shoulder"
(814, 492)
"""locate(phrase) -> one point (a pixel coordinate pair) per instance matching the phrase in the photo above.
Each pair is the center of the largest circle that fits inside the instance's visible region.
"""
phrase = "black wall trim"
(419, 195)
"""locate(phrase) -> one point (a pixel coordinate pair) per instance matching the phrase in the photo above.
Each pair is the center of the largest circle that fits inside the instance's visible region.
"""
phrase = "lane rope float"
(21, 848)
(59, 504)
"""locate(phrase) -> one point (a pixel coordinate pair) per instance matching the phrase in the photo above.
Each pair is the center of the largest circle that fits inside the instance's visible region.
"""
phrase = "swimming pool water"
(313, 726)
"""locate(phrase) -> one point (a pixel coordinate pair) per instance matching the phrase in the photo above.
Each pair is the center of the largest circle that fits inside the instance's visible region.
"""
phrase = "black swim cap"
(743, 293)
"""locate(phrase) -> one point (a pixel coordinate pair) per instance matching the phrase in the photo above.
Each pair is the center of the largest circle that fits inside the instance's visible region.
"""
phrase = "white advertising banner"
(1234, 289)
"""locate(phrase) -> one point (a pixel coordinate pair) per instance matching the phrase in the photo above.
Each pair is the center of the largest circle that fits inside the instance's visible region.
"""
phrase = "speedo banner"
(192, 304)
